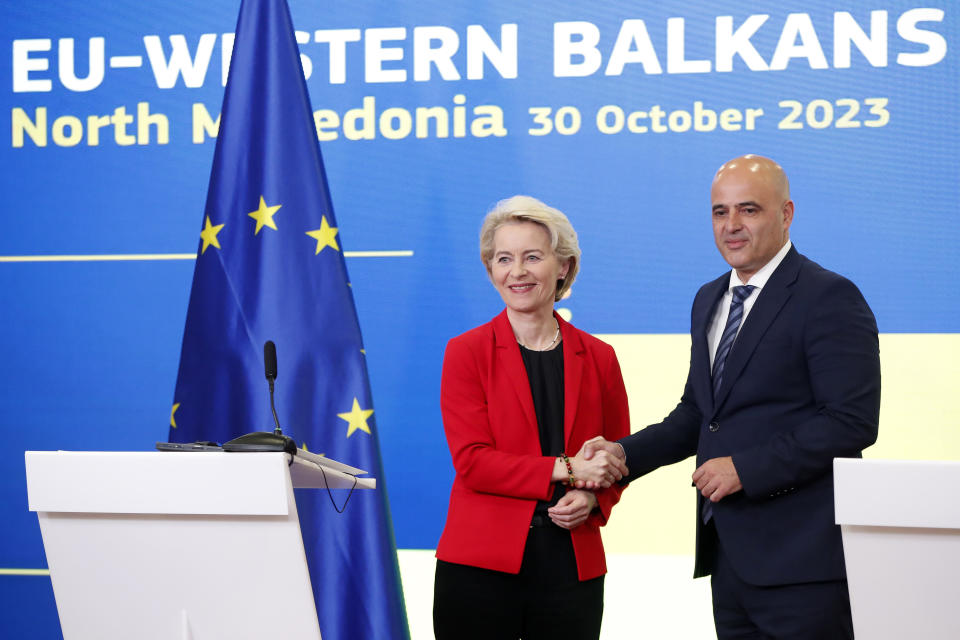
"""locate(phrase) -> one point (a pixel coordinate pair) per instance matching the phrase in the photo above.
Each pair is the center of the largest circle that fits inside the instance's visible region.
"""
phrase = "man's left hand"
(717, 478)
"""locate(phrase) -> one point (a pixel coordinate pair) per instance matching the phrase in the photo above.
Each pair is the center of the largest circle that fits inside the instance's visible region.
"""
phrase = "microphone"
(270, 362)
(265, 440)
(270, 370)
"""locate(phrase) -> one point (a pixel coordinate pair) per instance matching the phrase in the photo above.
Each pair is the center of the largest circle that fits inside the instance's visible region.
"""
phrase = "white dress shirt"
(758, 280)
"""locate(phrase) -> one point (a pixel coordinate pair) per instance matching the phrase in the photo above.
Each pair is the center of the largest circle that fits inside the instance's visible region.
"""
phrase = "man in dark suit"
(784, 377)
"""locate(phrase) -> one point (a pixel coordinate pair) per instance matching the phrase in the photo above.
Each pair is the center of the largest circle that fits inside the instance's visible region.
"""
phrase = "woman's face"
(524, 268)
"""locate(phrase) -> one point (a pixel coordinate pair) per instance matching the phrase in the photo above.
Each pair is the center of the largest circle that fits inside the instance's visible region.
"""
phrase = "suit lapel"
(700, 323)
(510, 361)
(573, 351)
(771, 300)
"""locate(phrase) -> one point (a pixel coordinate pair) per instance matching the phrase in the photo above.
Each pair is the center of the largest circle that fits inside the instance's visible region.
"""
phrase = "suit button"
(714, 426)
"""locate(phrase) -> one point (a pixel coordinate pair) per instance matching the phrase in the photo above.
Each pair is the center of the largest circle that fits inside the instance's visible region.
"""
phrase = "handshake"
(599, 464)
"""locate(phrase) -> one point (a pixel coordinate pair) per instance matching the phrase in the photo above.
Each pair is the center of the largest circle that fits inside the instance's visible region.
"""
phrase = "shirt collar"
(759, 279)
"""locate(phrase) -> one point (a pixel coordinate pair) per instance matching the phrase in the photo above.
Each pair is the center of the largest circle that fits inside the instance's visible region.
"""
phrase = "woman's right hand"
(603, 469)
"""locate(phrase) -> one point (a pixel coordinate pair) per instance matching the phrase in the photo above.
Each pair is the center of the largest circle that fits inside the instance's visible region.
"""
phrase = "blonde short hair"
(563, 239)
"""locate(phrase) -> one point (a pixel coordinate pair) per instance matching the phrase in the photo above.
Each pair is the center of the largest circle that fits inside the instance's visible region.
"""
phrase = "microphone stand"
(265, 440)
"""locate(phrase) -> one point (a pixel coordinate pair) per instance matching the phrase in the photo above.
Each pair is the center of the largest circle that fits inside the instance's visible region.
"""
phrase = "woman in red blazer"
(521, 554)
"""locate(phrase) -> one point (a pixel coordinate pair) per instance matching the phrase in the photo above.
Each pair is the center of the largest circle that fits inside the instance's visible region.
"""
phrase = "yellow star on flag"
(356, 418)
(326, 236)
(173, 423)
(209, 235)
(264, 216)
(304, 447)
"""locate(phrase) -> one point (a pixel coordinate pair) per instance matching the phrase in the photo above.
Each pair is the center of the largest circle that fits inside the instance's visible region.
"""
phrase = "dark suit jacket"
(491, 429)
(801, 386)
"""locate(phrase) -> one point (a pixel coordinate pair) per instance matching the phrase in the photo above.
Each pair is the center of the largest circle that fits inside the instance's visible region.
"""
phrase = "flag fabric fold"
(270, 266)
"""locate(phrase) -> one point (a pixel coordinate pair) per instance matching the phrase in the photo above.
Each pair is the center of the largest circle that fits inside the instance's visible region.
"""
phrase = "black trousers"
(544, 601)
(807, 611)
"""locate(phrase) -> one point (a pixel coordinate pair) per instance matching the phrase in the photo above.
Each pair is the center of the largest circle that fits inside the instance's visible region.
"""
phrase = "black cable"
(344, 508)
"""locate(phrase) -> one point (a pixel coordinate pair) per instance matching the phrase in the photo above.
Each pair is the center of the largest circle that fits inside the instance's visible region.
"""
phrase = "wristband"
(571, 480)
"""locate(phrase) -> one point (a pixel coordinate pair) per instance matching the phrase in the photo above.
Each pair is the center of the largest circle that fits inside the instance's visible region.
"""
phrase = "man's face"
(751, 216)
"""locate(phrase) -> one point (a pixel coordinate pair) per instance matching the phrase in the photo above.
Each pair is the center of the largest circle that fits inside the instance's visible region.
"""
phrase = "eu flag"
(270, 266)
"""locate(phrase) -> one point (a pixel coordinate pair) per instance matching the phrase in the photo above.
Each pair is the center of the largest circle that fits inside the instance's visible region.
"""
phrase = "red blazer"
(492, 432)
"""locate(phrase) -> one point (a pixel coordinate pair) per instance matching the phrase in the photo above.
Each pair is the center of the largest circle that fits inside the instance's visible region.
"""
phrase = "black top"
(545, 373)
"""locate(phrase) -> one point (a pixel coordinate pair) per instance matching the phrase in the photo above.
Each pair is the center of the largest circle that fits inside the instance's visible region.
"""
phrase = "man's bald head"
(752, 212)
(760, 169)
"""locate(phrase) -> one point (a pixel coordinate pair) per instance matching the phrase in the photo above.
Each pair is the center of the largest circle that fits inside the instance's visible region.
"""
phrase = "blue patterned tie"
(729, 333)
(723, 350)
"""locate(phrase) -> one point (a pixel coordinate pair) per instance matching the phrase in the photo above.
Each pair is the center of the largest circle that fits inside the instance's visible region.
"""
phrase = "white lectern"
(901, 538)
(184, 546)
